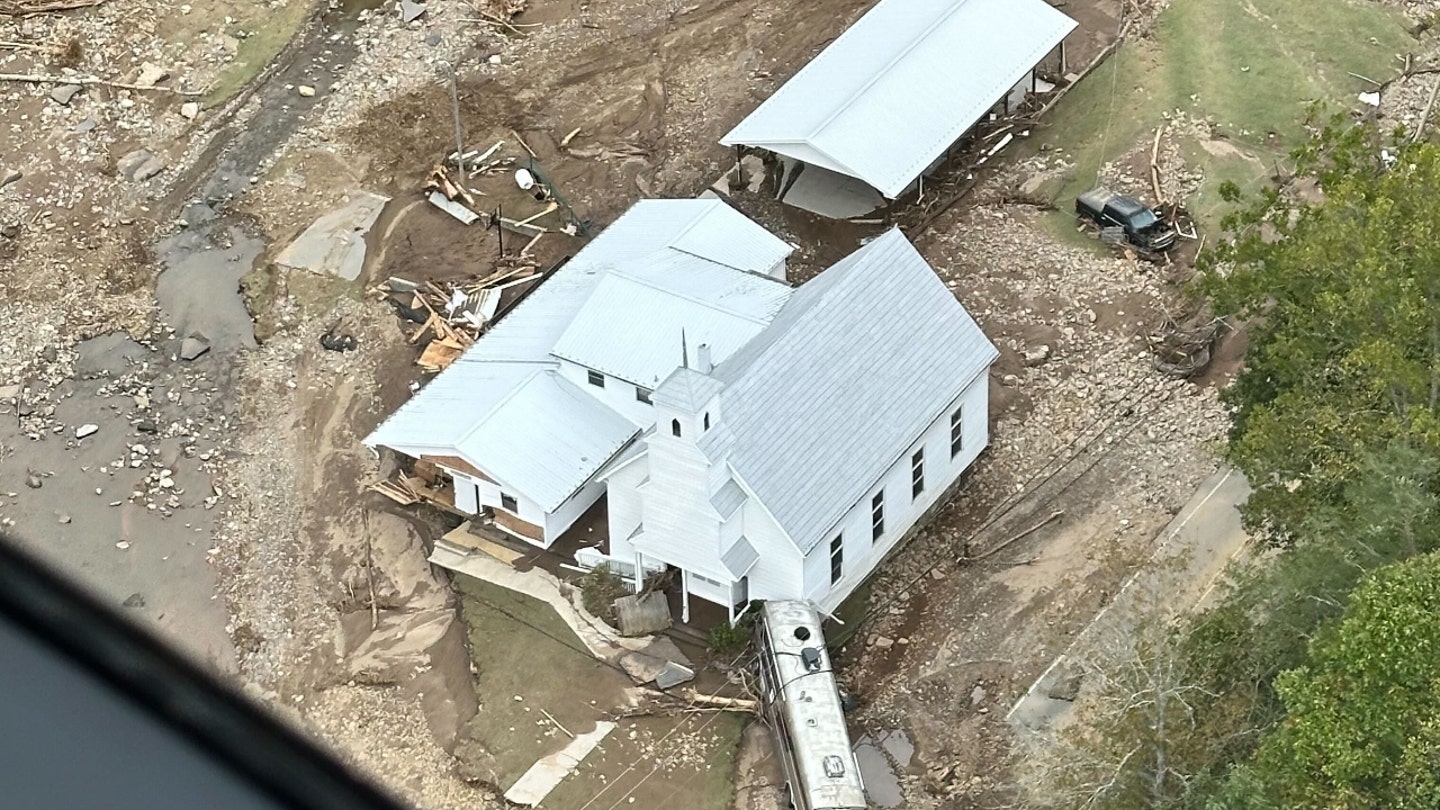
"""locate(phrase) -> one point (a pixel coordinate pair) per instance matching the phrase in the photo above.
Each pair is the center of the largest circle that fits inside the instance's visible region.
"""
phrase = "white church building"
(766, 442)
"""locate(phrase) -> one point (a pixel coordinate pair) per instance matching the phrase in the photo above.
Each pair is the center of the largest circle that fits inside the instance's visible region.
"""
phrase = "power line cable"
(1028, 488)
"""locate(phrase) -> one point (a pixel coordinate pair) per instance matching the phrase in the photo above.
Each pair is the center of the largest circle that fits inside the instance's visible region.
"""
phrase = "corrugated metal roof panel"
(848, 376)
(639, 242)
(633, 331)
(725, 236)
(547, 439)
(631, 452)
(443, 412)
(744, 293)
(904, 82)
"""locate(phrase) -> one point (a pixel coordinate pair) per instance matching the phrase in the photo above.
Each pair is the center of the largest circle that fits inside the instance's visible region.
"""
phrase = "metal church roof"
(902, 84)
(858, 364)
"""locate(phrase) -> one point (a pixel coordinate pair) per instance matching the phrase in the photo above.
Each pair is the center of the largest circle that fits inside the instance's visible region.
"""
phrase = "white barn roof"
(902, 84)
(858, 364)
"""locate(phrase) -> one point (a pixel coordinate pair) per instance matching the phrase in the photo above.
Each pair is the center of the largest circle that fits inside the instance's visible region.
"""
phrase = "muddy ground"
(221, 499)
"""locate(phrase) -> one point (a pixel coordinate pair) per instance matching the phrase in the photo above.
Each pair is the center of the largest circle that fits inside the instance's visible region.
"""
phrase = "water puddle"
(108, 355)
(878, 757)
(199, 291)
(897, 744)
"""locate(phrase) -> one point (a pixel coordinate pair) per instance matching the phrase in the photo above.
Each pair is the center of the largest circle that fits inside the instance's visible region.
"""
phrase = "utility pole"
(459, 133)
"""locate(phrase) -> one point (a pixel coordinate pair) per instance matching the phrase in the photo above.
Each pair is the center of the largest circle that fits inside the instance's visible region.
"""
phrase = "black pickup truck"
(1137, 221)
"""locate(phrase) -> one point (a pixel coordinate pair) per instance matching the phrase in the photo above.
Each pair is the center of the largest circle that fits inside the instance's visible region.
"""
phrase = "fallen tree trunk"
(41, 78)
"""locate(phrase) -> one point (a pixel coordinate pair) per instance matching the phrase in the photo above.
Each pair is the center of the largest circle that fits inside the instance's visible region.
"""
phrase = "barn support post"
(639, 572)
(684, 596)
(1064, 68)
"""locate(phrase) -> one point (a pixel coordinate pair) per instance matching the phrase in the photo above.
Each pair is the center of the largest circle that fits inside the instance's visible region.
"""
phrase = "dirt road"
(1190, 555)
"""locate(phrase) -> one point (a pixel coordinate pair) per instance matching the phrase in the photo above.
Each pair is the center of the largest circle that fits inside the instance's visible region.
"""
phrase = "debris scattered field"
(183, 411)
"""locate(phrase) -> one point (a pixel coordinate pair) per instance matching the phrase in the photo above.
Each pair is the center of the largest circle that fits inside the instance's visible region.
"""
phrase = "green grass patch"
(522, 648)
(1222, 161)
(696, 774)
(269, 33)
(1251, 66)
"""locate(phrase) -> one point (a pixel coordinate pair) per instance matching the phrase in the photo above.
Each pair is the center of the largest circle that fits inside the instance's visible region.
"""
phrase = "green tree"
(1345, 297)
(1363, 724)
(1172, 708)
(1262, 625)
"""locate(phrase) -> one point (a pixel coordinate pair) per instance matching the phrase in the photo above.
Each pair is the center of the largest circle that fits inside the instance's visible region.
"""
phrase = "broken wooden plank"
(553, 206)
(525, 251)
(439, 355)
(524, 229)
(475, 157)
(718, 702)
(521, 141)
(394, 493)
(429, 323)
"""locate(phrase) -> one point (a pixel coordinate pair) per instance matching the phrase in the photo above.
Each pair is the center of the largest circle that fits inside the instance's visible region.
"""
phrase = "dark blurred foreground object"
(97, 713)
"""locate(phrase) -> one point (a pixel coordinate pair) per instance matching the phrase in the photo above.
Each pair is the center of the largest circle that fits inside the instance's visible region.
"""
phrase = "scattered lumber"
(522, 143)
(1051, 518)
(396, 491)
(439, 180)
(726, 703)
(1155, 165)
(551, 208)
(689, 702)
(477, 162)
(440, 354)
(455, 313)
(556, 723)
(1425, 114)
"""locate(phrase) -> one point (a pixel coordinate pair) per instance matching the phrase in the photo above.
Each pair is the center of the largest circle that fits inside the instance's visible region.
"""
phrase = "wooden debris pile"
(477, 162)
(397, 490)
(455, 313)
(1183, 348)
(439, 180)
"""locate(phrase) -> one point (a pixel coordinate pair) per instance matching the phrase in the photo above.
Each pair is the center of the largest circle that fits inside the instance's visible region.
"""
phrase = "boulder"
(194, 346)
(65, 92)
